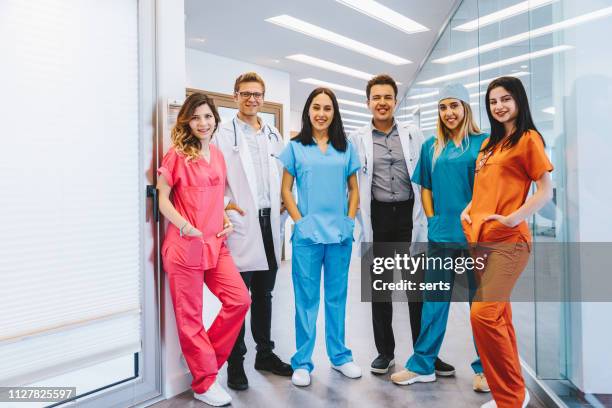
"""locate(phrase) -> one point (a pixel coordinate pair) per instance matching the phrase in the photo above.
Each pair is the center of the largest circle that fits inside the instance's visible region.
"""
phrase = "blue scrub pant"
(435, 314)
(306, 272)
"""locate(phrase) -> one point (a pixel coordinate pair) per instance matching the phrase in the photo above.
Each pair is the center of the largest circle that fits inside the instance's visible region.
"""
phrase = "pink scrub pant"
(207, 350)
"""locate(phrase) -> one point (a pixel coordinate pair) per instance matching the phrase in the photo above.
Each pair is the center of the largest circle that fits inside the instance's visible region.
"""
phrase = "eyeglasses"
(247, 95)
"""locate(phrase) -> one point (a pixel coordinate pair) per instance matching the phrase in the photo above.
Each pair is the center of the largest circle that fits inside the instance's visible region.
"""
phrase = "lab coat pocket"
(187, 251)
(303, 232)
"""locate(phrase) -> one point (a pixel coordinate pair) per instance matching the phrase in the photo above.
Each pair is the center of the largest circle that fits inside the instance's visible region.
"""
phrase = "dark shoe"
(381, 364)
(270, 362)
(443, 369)
(236, 377)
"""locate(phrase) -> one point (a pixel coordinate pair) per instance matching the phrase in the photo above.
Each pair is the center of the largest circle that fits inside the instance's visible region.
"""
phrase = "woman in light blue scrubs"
(445, 172)
(323, 163)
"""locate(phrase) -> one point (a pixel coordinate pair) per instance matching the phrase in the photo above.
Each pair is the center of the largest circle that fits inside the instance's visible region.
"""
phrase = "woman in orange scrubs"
(511, 159)
(191, 185)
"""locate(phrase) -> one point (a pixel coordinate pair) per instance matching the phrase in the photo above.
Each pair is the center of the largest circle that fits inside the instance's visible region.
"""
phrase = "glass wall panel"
(559, 50)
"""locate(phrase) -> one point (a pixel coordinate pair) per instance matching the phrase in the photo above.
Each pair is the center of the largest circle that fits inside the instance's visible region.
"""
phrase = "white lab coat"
(411, 139)
(246, 242)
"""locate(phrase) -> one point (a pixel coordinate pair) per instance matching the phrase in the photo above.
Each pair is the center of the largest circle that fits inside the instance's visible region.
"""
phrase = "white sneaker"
(527, 398)
(492, 404)
(215, 396)
(406, 377)
(350, 369)
(301, 377)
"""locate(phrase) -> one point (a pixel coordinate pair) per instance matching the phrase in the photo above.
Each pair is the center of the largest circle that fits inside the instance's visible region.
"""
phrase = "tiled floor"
(329, 388)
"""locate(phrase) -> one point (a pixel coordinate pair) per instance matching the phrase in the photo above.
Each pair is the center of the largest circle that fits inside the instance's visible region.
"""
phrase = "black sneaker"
(381, 364)
(272, 363)
(236, 377)
(443, 369)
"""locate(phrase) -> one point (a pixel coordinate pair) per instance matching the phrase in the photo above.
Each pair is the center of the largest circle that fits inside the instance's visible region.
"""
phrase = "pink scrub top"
(197, 194)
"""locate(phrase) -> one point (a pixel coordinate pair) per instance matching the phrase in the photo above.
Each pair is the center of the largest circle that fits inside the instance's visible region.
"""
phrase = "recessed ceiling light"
(352, 103)
(320, 33)
(331, 66)
(331, 85)
(550, 110)
(429, 111)
(486, 81)
(502, 63)
(350, 112)
(524, 66)
(538, 32)
(276, 61)
(198, 39)
(423, 95)
(386, 15)
(360, 122)
(503, 14)
(407, 115)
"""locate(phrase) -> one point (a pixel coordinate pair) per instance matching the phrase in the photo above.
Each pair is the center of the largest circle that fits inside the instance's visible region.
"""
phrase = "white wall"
(214, 73)
(171, 85)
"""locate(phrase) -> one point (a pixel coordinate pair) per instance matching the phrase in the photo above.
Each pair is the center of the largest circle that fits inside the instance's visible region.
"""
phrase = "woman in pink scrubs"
(191, 184)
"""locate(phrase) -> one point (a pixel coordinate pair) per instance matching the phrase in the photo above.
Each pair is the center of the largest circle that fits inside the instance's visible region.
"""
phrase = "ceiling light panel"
(525, 36)
(359, 122)
(323, 34)
(503, 14)
(350, 112)
(423, 95)
(330, 66)
(352, 103)
(497, 64)
(334, 86)
(385, 15)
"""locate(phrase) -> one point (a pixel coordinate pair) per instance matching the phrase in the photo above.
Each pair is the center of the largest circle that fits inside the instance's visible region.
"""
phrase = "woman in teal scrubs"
(323, 163)
(445, 172)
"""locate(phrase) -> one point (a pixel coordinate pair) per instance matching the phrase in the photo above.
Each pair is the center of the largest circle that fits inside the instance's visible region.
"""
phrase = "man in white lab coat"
(253, 203)
(390, 205)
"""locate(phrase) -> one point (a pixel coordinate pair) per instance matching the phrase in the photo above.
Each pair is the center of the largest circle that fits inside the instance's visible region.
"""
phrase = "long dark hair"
(337, 137)
(524, 121)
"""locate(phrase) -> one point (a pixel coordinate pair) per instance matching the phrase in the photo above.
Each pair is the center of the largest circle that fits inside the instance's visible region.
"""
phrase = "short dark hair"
(381, 79)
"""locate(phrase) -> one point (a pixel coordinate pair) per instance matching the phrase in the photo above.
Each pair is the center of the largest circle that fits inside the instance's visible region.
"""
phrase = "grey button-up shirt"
(258, 148)
(390, 178)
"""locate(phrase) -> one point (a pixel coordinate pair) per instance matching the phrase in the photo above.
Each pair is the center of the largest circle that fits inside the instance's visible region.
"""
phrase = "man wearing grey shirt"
(390, 206)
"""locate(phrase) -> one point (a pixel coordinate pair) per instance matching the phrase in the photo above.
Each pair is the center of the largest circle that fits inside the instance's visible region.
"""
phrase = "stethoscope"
(365, 166)
(268, 133)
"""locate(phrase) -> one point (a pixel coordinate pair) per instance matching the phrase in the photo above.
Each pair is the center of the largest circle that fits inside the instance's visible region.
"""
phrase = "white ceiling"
(236, 29)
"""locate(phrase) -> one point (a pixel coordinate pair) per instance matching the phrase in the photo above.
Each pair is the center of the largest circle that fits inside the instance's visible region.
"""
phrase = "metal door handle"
(152, 192)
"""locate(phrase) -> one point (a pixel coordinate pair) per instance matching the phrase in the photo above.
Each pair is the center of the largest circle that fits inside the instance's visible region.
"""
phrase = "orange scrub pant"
(207, 350)
(491, 317)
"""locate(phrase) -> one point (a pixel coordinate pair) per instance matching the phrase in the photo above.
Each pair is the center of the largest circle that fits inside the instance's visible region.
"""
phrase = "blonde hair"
(467, 127)
(182, 139)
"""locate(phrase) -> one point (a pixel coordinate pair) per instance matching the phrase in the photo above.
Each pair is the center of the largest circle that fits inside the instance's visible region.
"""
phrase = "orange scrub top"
(501, 185)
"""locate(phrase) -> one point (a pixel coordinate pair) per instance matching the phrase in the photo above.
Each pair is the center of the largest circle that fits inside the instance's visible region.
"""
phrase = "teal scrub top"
(451, 181)
(322, 189)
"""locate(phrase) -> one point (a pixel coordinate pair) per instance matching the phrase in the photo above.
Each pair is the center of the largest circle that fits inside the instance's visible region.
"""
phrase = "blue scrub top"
(322, 188)
(451, 181)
